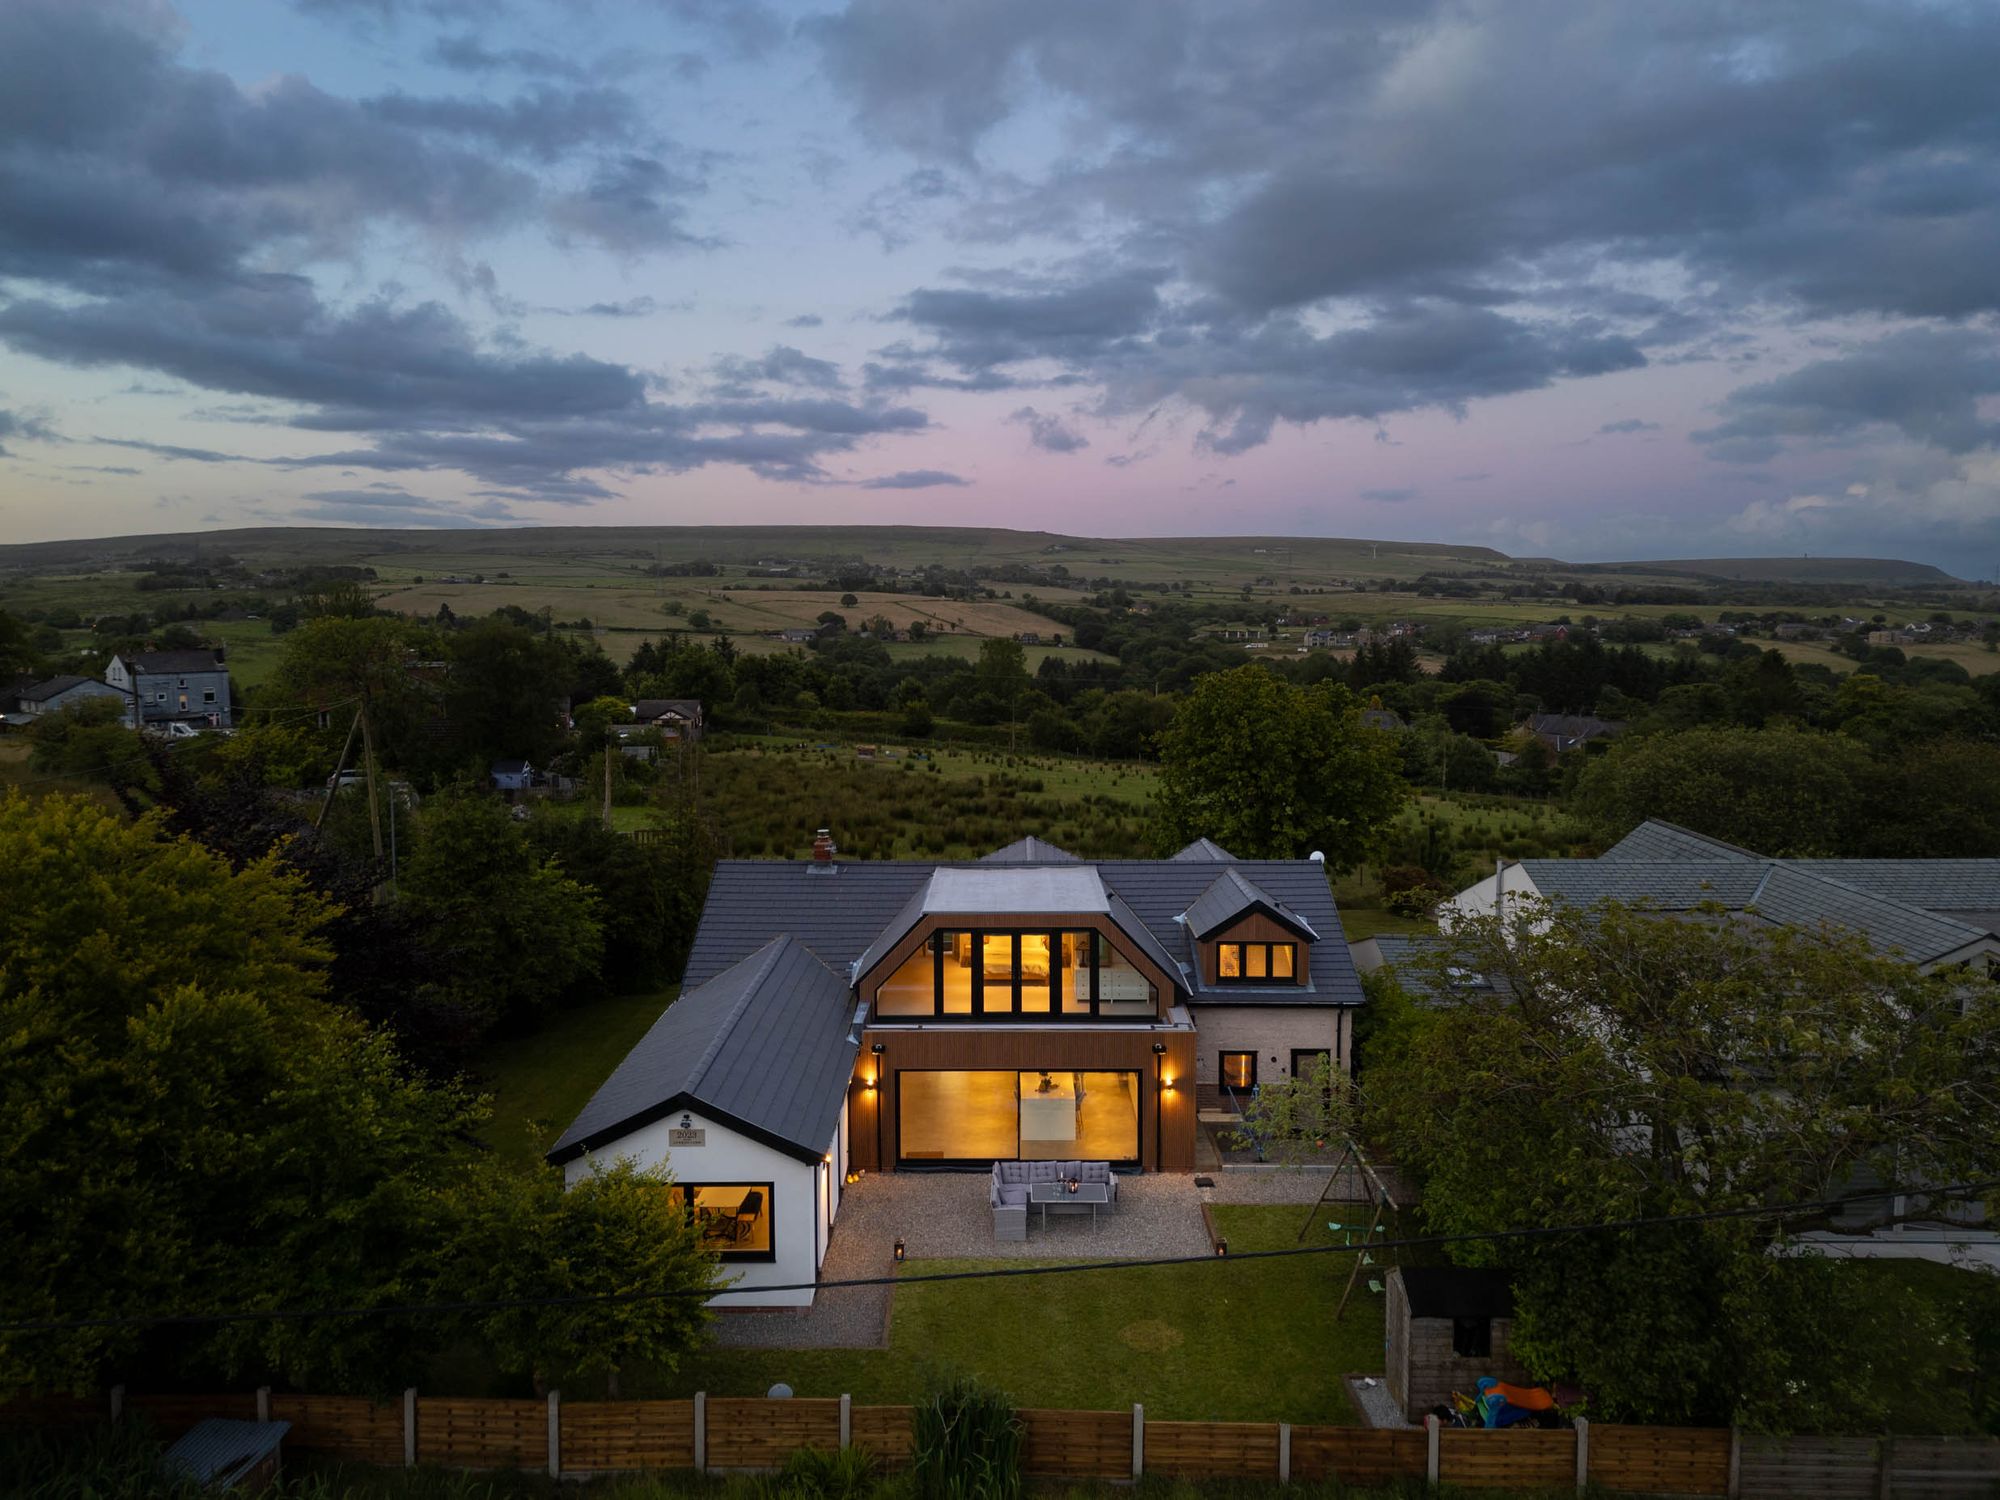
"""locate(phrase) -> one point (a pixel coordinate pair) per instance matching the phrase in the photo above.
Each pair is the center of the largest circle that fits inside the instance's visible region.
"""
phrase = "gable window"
(1239, 1071)
(1256, 963)
(1030, 975)
(1472, 1338)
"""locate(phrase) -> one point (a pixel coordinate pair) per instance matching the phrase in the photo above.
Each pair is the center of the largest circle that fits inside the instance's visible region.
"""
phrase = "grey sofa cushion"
(1013, 1196)
(1011, 1173)
(1094, 1171)
(1044, 1171)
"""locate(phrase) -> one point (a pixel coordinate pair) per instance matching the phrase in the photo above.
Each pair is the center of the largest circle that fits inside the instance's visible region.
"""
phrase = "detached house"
(173, 687)
(674, 718)
(903, 1016)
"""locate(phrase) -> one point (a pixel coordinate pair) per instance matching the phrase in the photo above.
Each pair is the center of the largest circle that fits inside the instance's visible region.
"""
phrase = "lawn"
(540, 1081)
(1226, 1340)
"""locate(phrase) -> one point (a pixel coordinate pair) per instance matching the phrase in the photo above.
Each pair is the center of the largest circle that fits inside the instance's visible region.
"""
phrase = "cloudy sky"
(1597, 280)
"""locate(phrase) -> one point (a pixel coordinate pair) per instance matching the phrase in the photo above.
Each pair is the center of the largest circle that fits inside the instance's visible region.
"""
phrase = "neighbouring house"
(511, 775)
(26, 699)
(1896, 636)
(1562, 732)
(1445, 1328)
(799, 636)
(173, 687)
(1383, 718)
(674, 718)
(911, 1016)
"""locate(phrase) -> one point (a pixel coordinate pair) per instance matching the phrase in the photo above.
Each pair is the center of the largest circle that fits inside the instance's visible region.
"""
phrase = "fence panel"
(482, 1434)
(1944, 1468)
(1660, 1460)
(1518, 1459)
(1827, 1468)
(1213, 1450)
(172, 1416)
(53, 1411)
(884, 1431)
(1358, 1455)
(600, 1436)
(346, 1427)
(755, 1432)
(1078, 1444)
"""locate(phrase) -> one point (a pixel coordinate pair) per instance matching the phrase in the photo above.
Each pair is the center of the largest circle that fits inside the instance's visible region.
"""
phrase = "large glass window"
(1255, 963)
(732, 1219)
(1056, 1114)
(1075, 974)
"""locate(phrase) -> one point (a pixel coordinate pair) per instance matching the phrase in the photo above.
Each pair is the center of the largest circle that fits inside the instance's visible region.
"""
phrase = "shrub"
(967, 1444)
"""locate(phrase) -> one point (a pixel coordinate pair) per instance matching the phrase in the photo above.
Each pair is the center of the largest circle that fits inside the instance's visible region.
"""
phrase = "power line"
(1954, 1191)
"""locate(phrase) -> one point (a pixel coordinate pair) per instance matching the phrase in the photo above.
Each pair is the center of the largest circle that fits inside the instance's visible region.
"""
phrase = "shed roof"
(218, 1451)
(765, 1047)
(1454, 1292)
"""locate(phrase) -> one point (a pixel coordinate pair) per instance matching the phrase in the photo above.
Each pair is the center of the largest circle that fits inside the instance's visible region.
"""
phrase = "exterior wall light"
(1167, 1084)
(1222, 1247)
(901, 1254)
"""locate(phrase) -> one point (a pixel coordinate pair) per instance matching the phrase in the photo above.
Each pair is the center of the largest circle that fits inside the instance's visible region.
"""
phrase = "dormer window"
(1016, 974)
(1256, 963)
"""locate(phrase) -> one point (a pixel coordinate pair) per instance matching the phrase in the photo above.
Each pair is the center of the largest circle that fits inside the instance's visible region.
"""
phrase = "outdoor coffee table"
(1090, 1195)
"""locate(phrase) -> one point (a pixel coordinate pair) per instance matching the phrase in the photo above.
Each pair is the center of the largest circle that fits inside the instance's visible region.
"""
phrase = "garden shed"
(1444, 1328)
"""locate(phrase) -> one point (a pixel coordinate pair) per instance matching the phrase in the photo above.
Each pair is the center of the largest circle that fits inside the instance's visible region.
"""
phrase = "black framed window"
(1238, 1070)
(1256, 963)
(734, 1219)
(1472, 1338)
(1017, 974)
(956, 1118)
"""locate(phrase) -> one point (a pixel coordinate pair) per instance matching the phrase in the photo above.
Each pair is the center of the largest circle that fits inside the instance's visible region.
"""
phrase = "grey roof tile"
(1656, 839)
(1204, 849)
(766, 1044)
(1228, 898)
(1028, 851)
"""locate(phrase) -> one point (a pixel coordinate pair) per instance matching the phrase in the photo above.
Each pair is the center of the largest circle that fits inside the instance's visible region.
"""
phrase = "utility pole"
(609, 741)
(340, 765)
(374, 796)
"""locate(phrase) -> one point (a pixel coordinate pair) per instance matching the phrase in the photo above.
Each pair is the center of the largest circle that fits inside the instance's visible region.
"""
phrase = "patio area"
(946, 1216)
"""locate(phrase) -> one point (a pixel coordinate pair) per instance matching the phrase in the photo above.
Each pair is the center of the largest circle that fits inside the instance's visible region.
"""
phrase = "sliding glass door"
(1058, 1114)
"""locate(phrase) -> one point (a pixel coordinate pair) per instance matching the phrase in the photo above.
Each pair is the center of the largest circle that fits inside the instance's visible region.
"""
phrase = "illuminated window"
(1256, 963)
(1239, 1070)
(732, 1219)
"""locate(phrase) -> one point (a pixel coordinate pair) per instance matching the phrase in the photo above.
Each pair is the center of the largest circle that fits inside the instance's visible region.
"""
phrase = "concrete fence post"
(117, 1403)
(1735, 1461)
(701, 1432)
(1138, 1440)
(410, 1428)
(1431, 1450)
(846, 1420)
(1284, 1453)
(263, 1403)
(555, 1434)
(1582, 1453)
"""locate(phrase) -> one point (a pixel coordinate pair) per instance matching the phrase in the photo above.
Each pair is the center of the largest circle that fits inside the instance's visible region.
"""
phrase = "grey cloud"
(914, 479)
(14, 425)
(632, 203)
(170, 450)
(389, 506)
(1628, 425)
(546, 122)
(779, 365)
(465, 53)
(805, 320)
(1924, 383)
(1048, 431)
(1394, 496)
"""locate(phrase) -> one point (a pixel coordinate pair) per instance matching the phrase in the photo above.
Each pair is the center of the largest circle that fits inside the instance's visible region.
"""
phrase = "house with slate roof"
(173, 687)
(906, 1015)
(1936, 913)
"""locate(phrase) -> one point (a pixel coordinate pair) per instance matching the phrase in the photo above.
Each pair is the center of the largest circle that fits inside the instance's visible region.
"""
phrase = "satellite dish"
(780, 1392)
(1317, 857)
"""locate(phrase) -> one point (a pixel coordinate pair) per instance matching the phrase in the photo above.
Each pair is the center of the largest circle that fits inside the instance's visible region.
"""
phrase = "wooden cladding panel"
(1529, 1459)
(1078, 1444)
(345, 1427)
(483, 1434)
(1015, 1048)
(752, 1432)
(172, 1416)
(1358, 1455)
(1213, 1450)
(1827, 1468)
(1943, 1468)
(1255, 928)
(1660, 1460)
(599, 1436)
(885, 1431)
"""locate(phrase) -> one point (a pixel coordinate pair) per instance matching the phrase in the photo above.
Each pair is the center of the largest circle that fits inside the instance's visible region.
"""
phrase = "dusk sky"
(1597, 280)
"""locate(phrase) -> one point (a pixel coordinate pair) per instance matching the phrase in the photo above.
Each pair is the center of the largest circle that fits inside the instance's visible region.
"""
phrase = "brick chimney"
(823, 849)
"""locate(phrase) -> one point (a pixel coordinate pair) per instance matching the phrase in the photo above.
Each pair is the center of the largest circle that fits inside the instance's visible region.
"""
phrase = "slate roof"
(842, 912)
(41, 692)
(646, 710)
(1402, 953)
(765, 1046)
(1028, 851)
(1206, 849)
(1671, 885)
(1228, 898)
(1950, 885)
(1656, 839)
(172, 662)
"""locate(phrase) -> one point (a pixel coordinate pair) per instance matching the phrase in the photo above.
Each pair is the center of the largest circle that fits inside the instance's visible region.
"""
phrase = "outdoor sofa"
(1011, 1180)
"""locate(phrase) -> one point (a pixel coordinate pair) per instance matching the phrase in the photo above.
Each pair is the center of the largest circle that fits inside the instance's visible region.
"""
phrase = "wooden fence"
(745, 1433)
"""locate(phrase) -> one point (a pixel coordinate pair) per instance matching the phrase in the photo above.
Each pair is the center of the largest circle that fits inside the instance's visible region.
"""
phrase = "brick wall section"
(1271, 1031)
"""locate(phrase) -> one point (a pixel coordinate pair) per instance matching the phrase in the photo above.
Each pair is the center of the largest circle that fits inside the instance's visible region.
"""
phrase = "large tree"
(1777, 790)
(192, 1128)
(1270, 770)
(1622, 1064)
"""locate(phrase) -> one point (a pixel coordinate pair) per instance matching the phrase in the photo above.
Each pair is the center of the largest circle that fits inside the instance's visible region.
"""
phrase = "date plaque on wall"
(677, 1136)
